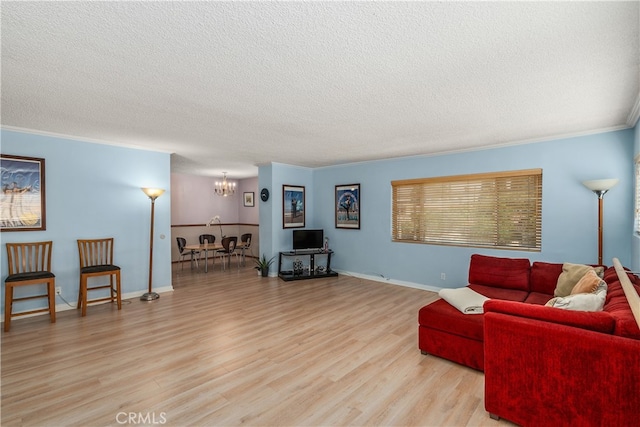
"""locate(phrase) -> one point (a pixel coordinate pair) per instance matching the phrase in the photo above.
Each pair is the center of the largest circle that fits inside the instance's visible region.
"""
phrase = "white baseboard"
(129, 295)
(73, 304)
(382, 279)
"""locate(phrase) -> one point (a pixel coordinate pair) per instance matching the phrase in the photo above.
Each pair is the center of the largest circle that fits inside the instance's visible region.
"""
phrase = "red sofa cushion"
(544, 277)
(507, 273)
(610, 275)
(500, 293)
(538, 298)
(443, 316)
(597, 321)
(617, 305)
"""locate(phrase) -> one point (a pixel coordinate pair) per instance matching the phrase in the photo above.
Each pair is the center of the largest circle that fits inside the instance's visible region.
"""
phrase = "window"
(498, 210)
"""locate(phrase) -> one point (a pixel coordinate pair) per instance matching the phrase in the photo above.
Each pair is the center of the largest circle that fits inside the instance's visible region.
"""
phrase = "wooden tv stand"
(288, 275)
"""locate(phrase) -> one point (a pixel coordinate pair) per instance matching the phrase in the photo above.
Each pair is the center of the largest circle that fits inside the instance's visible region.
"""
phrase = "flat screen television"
(307, 239)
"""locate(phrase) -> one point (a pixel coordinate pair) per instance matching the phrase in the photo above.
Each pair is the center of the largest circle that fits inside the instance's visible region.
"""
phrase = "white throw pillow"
(582, 302)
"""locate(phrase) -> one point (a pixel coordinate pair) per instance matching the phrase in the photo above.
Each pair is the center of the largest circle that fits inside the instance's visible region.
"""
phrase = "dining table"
(206, 247)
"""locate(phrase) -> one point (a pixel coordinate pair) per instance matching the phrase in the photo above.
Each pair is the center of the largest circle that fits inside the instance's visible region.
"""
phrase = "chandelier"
(225, 188)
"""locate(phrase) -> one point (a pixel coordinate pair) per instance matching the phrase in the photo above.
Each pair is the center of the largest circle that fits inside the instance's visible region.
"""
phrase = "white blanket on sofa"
(466, 300)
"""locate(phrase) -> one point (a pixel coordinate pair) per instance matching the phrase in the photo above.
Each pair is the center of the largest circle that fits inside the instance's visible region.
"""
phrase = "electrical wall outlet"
(58, 290)
(443, 276)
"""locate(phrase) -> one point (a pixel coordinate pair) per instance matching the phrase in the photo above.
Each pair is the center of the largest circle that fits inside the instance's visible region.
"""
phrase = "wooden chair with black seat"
(96, 259)
(228, 248)
(182, 242)
(245, 244)
(29, 264)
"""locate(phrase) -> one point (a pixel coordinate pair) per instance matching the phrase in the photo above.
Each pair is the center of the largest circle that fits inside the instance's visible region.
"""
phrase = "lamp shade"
(153, 193)
(600, 184)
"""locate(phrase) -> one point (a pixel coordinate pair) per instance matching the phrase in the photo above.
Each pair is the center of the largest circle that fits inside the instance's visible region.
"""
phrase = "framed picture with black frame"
(293, 206)
(248, 199)
(22, 201)
(348, 206)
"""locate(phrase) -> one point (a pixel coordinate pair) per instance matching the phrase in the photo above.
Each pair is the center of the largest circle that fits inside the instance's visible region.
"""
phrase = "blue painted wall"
(273, 237)
(569, 222)
(93, 191)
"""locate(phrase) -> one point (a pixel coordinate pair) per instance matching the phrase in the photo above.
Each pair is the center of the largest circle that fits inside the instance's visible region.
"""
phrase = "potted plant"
(262, 265)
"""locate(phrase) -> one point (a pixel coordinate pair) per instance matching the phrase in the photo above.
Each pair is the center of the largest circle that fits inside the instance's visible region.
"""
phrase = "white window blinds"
(497, 210)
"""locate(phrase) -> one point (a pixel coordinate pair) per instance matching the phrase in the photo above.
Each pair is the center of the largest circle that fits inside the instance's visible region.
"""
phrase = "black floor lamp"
(600, 187)
(153, 194)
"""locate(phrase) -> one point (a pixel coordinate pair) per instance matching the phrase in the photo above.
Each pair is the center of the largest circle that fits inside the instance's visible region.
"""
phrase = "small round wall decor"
(264, 194)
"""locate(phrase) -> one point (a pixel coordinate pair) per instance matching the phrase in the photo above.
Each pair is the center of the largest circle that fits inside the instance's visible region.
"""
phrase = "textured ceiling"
(225, 86)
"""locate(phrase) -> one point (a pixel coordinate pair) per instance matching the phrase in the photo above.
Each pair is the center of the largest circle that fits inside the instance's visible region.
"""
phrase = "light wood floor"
(228, 349)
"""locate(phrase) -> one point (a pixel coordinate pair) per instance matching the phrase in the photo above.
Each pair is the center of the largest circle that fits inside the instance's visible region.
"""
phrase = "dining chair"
(228, 249)
(245, 244)
(182, 242)
(29, 264)
(96, 259)
(209, 239)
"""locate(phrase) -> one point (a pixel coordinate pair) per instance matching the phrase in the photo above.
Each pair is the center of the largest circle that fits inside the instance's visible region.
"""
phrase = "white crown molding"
(633, 118)
(493, 146)
(80, 138)
(634, 115)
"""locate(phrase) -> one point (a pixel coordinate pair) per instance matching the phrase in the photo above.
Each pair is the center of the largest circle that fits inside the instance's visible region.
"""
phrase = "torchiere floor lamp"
(600, 187)
(153, 194)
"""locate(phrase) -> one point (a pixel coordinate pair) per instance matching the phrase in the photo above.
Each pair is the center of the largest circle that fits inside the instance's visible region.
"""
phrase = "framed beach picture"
(22, 201)
(248, 199)
(293, 206)
(348, 206)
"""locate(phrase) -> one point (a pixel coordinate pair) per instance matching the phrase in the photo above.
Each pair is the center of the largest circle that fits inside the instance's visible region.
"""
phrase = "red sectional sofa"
(543, 365)
(445, 332)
